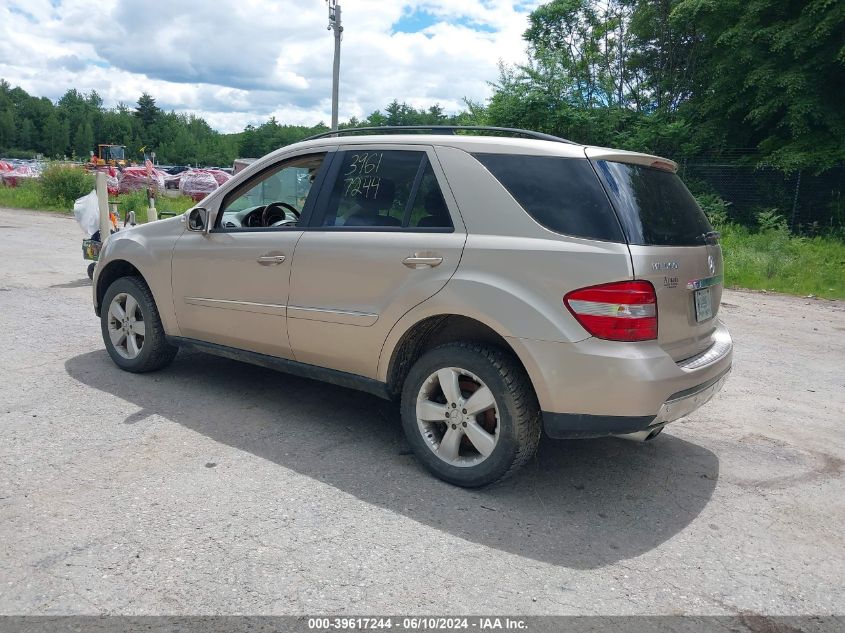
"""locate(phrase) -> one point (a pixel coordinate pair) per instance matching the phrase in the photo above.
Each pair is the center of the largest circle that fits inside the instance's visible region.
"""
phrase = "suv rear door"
(385, 236)
(672, 245)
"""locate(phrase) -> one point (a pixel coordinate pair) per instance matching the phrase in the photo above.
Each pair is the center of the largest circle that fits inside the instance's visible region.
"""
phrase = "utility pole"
(334, 23)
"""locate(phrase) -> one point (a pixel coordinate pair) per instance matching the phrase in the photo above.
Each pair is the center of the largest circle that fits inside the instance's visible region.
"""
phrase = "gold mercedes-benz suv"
(494, 282)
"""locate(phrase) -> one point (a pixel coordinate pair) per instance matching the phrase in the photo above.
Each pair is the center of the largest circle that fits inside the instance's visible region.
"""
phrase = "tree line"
(686, 77)
(680, 78)
(74, 125)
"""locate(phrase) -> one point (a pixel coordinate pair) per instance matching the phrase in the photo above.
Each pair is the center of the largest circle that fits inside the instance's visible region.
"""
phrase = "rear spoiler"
(636, 158)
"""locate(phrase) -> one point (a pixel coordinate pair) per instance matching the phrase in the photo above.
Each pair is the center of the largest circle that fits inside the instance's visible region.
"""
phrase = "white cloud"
(241, 61)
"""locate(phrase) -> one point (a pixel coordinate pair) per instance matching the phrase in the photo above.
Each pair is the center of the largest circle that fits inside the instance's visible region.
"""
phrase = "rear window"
(654, 206)
(562, 194)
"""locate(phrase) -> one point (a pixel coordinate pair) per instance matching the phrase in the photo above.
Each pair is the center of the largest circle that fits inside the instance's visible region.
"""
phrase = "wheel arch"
(124, 267)
(113, 271)
(429, 332)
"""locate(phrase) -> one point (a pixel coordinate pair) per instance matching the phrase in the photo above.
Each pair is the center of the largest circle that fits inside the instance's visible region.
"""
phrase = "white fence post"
(103, 203)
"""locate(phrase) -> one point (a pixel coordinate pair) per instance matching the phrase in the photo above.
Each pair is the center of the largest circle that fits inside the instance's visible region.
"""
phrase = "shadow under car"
(580, 504)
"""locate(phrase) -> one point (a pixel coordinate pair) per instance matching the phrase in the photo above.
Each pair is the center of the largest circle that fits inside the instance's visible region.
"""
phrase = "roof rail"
(441, 129)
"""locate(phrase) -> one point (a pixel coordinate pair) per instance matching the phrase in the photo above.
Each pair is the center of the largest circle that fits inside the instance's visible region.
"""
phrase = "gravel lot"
(217, 487)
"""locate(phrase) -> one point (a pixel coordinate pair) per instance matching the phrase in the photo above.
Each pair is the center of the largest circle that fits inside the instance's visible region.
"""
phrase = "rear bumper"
(685, 402)
(572, 425)
(678, 405)
(594, 387)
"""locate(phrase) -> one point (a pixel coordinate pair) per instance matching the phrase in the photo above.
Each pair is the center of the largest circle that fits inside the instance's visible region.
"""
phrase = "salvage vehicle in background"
(494, 283)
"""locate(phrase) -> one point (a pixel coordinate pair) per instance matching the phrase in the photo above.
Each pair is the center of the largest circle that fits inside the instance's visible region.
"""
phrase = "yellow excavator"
(111, 155)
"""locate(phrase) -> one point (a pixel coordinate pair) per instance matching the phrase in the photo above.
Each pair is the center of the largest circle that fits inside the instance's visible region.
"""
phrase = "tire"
(91, 267)
(514, 426)
(143, 353)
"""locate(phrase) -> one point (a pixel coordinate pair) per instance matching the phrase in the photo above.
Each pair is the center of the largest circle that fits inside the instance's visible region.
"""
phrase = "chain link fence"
(812, 203)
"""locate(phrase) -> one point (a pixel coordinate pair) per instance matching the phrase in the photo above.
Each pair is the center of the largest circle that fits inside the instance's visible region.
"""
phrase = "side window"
(275, 198)
(562, 194)
(429, 209)
(386, 188)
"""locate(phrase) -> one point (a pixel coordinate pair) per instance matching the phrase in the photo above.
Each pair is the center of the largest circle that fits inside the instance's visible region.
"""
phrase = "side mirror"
(198, 220)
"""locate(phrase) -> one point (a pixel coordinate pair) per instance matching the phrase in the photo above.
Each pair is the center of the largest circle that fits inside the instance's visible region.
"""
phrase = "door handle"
(271, 260)
(422, 261)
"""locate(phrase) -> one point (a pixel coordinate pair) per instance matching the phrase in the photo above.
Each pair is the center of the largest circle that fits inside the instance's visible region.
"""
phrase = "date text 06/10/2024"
(419, 623)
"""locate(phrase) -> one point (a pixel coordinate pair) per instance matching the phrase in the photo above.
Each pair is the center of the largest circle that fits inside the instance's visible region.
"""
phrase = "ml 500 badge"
(664, 266)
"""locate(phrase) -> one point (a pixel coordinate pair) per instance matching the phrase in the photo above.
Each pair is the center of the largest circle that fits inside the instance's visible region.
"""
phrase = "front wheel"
(132, 329)
(470, 414)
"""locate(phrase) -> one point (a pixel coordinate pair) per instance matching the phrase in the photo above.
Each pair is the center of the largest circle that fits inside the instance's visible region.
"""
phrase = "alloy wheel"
(127, 329)
(458, 417)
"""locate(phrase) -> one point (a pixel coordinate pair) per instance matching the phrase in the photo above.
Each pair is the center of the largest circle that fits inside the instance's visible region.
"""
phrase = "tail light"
(621, 311)
(665, 165)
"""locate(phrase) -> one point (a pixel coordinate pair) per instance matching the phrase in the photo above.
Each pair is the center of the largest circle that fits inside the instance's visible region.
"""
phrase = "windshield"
(115, 152)
(654, 206)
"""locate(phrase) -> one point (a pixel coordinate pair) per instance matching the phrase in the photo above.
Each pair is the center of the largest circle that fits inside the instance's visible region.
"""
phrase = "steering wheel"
(271, 213)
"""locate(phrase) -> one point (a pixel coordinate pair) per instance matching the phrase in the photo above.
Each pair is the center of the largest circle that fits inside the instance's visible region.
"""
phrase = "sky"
(239, 62)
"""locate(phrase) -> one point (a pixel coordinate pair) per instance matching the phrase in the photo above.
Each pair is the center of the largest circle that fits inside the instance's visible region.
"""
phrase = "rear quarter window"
(654, 205)
(562, 194)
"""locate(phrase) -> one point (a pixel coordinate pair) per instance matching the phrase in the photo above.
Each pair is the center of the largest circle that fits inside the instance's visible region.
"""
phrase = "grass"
(778, 261)
(30, 195)
(137, 201)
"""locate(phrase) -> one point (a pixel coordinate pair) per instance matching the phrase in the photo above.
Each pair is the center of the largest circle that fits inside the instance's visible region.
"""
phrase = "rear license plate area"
(703, 305)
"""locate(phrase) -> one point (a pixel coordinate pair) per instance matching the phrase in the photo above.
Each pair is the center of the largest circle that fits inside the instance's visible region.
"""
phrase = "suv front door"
(385, 235)
(230, 286)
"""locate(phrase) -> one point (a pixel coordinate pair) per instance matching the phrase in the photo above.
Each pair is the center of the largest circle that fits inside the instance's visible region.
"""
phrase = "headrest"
(434, 203)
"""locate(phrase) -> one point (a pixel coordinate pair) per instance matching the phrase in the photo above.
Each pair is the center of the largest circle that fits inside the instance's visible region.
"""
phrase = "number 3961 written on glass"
(361, 179)
(366, 164)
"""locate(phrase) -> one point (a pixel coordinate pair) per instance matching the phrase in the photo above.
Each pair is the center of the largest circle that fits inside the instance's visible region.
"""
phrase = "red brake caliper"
(488, 418)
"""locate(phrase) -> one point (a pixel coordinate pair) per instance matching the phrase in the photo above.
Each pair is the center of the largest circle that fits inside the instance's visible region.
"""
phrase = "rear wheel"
(470, 414)
(132, 329)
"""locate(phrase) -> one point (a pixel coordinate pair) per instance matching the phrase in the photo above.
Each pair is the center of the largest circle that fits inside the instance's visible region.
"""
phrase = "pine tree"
(7, 129)
(26, 136)
(52, 135)
(147, 110)
(83, 140)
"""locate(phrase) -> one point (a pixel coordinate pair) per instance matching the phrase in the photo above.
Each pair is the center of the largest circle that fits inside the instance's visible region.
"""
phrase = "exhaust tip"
(642, 436)
(654, 434)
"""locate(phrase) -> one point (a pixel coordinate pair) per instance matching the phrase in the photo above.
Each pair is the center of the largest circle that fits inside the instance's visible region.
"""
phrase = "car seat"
(370, 206)
(438, 213)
